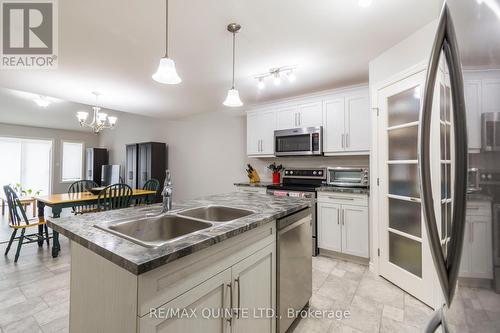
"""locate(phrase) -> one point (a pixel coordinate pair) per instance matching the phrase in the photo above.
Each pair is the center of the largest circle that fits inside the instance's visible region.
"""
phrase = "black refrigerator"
(95, 159)
(145, 161)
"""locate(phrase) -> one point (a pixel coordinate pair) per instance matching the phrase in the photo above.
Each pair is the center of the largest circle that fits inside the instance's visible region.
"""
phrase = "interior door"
(404, 253)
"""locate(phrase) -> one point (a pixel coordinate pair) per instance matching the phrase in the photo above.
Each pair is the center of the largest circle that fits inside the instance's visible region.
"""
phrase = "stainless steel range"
(302, 183)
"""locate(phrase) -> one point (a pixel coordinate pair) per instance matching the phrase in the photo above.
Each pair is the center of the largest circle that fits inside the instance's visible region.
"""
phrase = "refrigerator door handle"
(447, 268)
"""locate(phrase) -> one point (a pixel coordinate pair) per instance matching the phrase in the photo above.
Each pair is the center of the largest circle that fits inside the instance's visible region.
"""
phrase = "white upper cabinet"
(357, 124)
(473, 107)
(310, 114)
(345, 117)
(333, 134)
(260, 133)
(490, 95)
(287, 117)
(347, 124)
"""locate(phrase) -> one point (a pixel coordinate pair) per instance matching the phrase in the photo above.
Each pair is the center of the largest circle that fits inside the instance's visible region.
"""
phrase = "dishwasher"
(294, 266)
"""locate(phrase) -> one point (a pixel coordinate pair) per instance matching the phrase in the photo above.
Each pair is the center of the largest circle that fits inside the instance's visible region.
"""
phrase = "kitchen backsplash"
(260, 164)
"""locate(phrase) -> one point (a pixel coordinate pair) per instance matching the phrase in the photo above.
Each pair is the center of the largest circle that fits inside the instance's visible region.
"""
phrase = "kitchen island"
(210, 280)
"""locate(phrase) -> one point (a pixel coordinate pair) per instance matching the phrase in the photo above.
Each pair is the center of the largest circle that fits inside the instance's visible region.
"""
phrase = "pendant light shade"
(233, 96)
(166, 72)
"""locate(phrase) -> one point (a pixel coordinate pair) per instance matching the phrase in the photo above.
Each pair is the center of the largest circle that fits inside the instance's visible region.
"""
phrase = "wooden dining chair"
(114, 196)
(19, 221)
(151, 185)
(78, 187)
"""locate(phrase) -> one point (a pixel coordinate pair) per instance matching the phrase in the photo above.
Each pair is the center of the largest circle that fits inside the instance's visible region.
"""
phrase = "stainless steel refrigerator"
(467, 38)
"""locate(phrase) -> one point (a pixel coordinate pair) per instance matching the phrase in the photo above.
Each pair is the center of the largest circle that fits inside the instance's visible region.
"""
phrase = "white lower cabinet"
(477, 260)
(200, 309)
(234, 300)
(343, 223)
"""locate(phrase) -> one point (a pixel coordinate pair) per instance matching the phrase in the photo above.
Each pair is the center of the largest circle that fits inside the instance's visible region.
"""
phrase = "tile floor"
(34, 297)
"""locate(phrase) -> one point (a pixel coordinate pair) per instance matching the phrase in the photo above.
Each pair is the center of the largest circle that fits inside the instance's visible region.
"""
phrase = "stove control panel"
(489, 177)
(319, 173)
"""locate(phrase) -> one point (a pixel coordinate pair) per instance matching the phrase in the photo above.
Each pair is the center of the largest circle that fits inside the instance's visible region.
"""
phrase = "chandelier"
(100, 120)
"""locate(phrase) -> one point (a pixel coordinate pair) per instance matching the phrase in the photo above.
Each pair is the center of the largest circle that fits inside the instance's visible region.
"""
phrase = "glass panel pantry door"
(404, 256)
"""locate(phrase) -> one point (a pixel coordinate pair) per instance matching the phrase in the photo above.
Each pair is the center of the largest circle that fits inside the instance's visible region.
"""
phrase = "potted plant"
(276, 170)
(22, 192)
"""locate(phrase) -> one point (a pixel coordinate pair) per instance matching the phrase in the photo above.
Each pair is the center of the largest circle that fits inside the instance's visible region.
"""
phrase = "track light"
(277, 79)
(261, 85)
(291, 76)
(276, 74)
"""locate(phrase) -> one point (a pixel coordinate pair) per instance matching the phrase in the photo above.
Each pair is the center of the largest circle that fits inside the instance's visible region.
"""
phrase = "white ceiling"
(114, 46)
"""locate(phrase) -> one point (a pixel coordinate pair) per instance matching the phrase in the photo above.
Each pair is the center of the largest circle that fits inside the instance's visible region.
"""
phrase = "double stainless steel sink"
(160, 229)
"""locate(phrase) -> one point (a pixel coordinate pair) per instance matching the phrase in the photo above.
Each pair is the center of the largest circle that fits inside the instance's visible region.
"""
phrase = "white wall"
(207, 152)
(57, 136)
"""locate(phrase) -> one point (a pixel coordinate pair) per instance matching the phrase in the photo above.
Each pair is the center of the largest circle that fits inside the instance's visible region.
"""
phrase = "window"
(72, 161)
(26, 165)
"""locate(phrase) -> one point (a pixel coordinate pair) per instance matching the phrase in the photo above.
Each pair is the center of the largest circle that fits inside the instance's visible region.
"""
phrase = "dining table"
(68, 200)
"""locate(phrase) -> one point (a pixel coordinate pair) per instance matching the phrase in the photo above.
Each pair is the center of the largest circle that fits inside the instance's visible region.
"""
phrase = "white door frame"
(375, 215)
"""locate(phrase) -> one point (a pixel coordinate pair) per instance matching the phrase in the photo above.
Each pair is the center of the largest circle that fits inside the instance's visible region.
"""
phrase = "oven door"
(352, 177)
(298, 141)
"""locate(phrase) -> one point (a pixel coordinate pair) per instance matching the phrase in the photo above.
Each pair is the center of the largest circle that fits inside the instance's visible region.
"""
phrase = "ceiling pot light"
(364, 3)
(166, 72)
(233, 96)
(261, 85)
(42, 102)
(291, 76)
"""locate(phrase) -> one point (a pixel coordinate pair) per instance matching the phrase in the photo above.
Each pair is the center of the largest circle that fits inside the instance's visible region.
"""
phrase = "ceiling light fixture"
(261, 85)
(277, 78)
(99, 118)
(276, 73)
(42, 101)
(364, 3)
(233, 96)
(166, 72)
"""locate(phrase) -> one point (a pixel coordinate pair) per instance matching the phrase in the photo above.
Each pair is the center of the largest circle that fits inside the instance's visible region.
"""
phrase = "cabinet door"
(329, 229)
(254, 289)
(287, 117)
(355, 230)
(465, 260)
(144, 166)
(333, 130)
(208, 301)
(131, 166)
(358, 124)
(310, 114)
(481, 260)
(267, 122)
(253, 131)
(473, 104)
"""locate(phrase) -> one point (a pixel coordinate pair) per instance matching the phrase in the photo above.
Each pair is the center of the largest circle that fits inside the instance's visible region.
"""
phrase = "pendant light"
(166, 72)
(233, 96)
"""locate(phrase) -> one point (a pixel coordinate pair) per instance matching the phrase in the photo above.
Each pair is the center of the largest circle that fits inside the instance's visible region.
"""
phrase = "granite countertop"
(259, 184)
(139, 259)
(354, 190)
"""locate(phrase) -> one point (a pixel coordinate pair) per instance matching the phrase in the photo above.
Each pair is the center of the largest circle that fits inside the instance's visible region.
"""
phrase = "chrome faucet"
(167, 193)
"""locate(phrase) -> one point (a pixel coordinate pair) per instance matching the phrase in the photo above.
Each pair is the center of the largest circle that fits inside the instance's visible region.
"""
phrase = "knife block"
(254, 177)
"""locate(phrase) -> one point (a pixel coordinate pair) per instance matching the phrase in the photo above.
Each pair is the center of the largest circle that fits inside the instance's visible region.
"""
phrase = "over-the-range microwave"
(306, 141)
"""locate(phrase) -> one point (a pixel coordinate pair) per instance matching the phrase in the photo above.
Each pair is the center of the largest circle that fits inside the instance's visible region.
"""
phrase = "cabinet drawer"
(250, 189)
(343, 198)
(478, 208)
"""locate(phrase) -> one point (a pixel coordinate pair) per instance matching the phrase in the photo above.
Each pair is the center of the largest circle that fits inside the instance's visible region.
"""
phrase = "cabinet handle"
(340, 198)
(343, 137)
(237, 280)
(347, 143)
(343, 216)
(295, 114)
(338, 216)
(300, 119)
(230, 319)
(471, 232)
